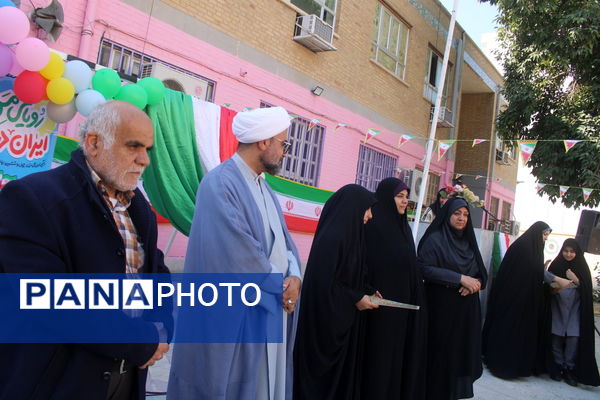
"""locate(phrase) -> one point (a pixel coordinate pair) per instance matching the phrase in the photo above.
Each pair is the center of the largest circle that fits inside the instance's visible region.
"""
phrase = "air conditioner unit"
(515, 226)
(314, 33)
(176, 80)
(413, 179)
(444, 117)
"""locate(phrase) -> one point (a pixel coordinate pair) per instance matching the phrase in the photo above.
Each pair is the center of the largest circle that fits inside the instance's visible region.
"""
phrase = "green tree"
(551, 58)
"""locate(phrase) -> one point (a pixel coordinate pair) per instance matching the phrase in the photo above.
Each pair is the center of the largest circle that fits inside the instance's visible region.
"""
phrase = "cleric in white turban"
(260, 124)
(238, 227)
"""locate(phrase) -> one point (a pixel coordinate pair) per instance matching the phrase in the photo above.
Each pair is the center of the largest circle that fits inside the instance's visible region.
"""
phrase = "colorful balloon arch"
(71, 87)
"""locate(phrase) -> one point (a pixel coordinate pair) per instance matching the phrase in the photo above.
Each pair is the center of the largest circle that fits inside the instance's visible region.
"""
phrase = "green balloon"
(154, 89)
(107, 82)
(133, 94)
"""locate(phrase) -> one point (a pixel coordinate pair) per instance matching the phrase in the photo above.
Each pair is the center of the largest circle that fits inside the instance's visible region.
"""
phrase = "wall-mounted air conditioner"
(314, 33)
(444, 117)
(176, 80)
(413, 179)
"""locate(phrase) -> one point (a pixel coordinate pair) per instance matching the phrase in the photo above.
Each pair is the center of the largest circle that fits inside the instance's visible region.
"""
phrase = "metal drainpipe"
(460, 51)
(87, 32)
(493, 140)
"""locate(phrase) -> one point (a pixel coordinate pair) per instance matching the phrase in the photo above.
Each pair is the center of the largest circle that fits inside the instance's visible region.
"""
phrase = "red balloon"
(30, 87)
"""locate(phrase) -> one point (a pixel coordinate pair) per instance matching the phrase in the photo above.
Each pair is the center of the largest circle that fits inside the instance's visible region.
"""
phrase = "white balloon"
(79, 74)
(87, 100)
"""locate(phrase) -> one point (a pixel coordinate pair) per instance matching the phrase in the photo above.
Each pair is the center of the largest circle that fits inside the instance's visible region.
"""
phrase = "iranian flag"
(301, 204)
(501, 243)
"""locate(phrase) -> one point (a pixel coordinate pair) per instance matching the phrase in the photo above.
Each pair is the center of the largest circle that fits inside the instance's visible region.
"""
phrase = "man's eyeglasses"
(285, 144)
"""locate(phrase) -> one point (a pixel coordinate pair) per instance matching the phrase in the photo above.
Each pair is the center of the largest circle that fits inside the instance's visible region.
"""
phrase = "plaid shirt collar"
(120, 201)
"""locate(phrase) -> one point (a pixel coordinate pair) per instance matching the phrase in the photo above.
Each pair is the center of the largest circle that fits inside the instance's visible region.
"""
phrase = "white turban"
(260, 124)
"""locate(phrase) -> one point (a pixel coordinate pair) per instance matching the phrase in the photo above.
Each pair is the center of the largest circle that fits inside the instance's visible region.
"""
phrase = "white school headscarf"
(260, 124)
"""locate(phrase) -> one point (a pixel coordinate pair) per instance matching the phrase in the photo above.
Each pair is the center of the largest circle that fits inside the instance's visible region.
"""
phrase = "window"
(505, 151)
(373, 167)
(324, 9)
(433, 187)
(130, 62)
(303, 161)
(432, 78)
(390, 41)
(494, 208)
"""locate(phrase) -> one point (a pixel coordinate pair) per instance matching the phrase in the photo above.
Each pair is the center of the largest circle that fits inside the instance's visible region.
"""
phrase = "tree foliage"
(551, 58)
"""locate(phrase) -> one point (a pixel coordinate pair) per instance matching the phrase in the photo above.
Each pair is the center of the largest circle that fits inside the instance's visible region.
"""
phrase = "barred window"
(302, 163)
(129, 62)
(373, 166)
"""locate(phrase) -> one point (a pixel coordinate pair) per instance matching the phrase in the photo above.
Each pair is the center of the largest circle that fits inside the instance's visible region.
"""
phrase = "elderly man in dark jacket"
(84, 217)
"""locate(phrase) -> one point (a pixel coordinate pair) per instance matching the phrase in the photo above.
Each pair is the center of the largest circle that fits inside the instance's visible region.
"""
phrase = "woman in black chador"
(571, 320)
(513, 338)
(454, 273)
(327, 354)
(395, 341)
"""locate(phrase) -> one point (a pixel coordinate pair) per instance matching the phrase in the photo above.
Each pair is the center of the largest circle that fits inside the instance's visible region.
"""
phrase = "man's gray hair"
(104, 120)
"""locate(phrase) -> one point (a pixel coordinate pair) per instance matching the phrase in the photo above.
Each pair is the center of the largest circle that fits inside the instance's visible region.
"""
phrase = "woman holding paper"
(395, 341)
(454, 273)
(327, 354)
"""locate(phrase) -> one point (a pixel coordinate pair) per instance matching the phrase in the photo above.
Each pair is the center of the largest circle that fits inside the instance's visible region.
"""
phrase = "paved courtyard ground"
(487, 387)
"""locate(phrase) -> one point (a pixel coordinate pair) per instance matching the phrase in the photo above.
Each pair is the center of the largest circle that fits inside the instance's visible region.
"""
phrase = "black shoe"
(569, 378)
(556, 375)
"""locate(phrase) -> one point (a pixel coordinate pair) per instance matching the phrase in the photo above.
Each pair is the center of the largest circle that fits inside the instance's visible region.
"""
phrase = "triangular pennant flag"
(569, 144)
(478, 177)
(226, 105)
(457, 176)
(527, 147)
(539, 186)
(313, 122)
(246, 109)
(340, 125)
(403, 139)
(563, 190)
(477, 141)
(443, 147)
(370, 133)
(586, 193)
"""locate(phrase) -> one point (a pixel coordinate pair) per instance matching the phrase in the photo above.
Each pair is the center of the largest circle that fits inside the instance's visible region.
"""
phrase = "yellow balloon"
(55, 67)
(60, 90)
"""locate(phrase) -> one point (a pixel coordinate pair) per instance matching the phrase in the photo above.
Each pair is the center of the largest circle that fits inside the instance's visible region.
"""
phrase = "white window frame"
(376, 47)
(323, 11)
(374, 166)
(430, 91)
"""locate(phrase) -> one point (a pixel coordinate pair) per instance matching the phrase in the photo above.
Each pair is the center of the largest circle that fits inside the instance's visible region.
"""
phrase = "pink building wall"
(238, 83)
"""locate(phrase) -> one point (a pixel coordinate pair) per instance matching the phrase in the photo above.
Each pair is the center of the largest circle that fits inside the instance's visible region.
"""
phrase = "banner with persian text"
(27, 136)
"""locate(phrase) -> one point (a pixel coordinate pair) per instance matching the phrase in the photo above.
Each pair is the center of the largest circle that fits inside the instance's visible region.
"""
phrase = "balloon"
(6, 3)
(154, 89)
(107, 82)
(60, 91)
(6, 60)
(133, 94)
(30, 87)
(32, 54)
(61, 112)
(16, 68)
(55, 67)
(14, 25)
(87, 100)
(79, 74)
